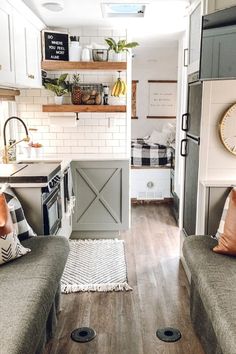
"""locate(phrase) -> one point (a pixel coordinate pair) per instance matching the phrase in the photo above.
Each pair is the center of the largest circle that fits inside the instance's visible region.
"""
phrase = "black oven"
(52, 209)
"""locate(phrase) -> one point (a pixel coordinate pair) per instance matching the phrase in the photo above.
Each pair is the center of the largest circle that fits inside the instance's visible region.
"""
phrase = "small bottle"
(105, 95)
(12, 150)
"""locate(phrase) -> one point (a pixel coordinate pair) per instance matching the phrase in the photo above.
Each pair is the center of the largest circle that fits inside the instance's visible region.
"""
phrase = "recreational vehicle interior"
(117, 177)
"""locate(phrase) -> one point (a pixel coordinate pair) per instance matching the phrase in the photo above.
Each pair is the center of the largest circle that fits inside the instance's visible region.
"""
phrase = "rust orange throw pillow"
(6, 225)
(227, 240)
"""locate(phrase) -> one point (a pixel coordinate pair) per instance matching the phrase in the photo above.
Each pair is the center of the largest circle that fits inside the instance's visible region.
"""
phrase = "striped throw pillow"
(10, 246)
(19, 221)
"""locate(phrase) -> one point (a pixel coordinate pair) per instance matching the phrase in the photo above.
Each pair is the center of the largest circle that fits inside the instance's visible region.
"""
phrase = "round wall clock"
(228, 129)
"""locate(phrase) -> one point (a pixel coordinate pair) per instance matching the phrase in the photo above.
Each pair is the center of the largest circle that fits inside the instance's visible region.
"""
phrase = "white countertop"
(219, 183)
(65, 159)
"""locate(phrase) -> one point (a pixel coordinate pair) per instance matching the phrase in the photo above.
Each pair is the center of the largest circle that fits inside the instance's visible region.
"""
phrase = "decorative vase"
(116, 56)
(58, 99)
(76, 94)
(74, 49)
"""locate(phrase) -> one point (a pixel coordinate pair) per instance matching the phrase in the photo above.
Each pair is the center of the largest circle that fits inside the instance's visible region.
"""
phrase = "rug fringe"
(103, 240)
(73, 288)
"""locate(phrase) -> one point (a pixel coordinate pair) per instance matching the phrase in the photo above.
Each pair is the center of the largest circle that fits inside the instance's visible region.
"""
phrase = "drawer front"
(150, 186)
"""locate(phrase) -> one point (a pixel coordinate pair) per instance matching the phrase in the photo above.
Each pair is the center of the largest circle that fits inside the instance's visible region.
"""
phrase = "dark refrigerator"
(191, 122)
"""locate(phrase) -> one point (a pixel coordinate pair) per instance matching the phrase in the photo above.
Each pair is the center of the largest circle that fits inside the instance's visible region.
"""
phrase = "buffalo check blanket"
(149, 154)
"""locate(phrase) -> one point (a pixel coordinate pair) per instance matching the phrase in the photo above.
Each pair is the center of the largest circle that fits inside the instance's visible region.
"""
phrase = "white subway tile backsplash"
(69, 142)
(56, 129)
(33, 92)
(43, 129)
(91, 150)
(50, 136)
(40, 100)
(57, 142)
(78, 150)
(105, 150)
(112, 143)
(91, 136)
(63, 149)
(50, 150)
(82, 142)
(33, 108)
(118, 136)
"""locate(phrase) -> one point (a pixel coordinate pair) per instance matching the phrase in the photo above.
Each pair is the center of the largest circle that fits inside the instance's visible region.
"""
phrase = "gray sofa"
(213, 295)
(29, 295)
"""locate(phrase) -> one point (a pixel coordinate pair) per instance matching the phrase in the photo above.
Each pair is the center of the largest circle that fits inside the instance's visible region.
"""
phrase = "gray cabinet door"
(102, 195)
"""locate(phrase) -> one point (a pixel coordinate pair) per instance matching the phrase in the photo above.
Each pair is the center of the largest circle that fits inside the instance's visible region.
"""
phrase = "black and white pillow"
(20, 223)
(11, 248)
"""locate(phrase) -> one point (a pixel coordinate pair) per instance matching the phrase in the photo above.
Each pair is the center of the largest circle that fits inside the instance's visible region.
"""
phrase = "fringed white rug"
(95, 265)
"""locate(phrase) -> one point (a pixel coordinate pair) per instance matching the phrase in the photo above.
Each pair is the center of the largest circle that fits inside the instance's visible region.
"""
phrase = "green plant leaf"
(111, 42)
(58, 90)
(62, 78)
(132, 45)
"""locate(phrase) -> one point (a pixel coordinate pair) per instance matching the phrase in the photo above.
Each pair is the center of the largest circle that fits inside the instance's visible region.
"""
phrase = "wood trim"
(151, 167)
(7, 98)
(83, 108)
(134, 100)
(5, 93)
(50, 65)
(163, 81)
(160, 117)
(151, 201)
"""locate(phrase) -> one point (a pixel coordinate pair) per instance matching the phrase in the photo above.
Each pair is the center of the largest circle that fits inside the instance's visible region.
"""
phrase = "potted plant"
(119, 47)
(76, 93)
(58, 86)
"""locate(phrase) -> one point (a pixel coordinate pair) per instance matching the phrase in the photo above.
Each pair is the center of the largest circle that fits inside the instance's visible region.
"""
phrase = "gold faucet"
(5, 158)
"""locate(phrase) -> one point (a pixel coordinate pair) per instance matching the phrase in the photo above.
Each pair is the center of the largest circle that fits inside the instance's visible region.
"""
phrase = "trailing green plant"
(59, 85)
(121, 45)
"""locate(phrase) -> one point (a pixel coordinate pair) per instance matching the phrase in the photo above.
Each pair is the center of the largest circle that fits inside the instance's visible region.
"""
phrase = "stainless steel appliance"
(190, 151)
(38, 188)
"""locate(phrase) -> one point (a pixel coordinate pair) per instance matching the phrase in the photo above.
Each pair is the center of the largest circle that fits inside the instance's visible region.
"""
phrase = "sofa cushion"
(27, 291)
(215, 278)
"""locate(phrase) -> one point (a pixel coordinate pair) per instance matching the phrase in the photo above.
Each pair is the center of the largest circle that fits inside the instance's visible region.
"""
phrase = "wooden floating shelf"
(83, 108)
(53, 65)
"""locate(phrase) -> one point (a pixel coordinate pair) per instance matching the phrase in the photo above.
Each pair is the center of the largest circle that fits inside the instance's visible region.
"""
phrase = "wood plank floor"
(126, 322)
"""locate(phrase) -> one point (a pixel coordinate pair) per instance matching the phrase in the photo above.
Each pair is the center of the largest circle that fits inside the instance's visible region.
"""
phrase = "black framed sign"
(55, 45)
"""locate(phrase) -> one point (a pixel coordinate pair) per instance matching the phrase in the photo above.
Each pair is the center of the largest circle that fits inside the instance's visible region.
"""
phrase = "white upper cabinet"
(27, 52)
(7, 73)
(20, 55)
(195, 20)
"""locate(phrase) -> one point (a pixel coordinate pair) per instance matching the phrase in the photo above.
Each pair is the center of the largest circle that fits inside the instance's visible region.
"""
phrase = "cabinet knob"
(150, 184)
(31, 76)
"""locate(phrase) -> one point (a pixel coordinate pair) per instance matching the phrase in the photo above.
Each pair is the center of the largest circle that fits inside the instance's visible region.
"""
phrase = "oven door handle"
(51, 197)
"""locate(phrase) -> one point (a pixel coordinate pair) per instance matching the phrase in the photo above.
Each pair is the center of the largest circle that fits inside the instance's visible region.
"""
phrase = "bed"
(144, 153)
(151, 171)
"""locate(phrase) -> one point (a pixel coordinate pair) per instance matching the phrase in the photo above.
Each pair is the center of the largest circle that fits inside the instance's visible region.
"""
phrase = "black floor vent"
(168, 334)
(83, 334)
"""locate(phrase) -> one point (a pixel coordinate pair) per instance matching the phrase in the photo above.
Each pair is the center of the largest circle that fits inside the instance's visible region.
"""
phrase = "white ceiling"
(163, 21)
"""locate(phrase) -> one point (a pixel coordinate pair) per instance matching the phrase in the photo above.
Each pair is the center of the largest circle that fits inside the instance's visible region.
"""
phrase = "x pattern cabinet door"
(101, 190)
